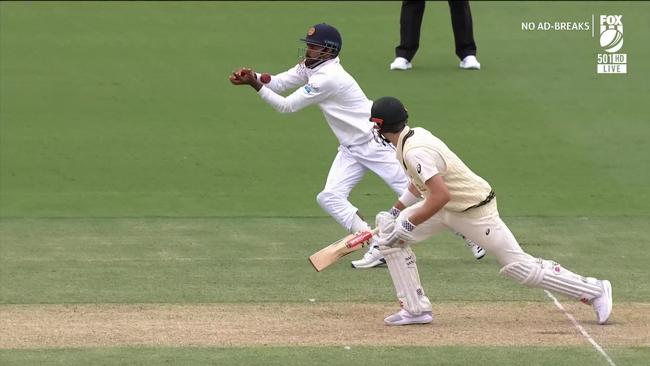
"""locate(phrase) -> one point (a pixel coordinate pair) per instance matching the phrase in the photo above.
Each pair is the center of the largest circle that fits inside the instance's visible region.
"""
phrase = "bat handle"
(360, 238)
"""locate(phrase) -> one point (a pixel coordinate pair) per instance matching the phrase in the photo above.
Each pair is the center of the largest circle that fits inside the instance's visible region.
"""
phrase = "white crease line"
(581, 329)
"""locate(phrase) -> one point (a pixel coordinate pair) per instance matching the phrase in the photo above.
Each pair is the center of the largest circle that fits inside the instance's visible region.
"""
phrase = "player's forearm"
(399, 206)
(432, 204)
(292, 103)
(285, 80)
(436, 199)
(256, 84)
(273, 82)
(278, 102)
(408, 198)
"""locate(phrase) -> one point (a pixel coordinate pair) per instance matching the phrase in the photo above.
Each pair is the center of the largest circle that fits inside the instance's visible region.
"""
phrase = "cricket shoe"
(403, 317)
(470, 63)
(400, 63)
(371, 259)
(476, 249)
(603, 303)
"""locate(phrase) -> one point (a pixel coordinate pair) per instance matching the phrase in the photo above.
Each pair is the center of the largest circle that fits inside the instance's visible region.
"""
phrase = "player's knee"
(325, 199)
(322, 199)
(532, 272)
(341, 210)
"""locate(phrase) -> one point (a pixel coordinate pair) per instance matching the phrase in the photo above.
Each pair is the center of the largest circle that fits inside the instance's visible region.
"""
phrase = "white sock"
(358, 224)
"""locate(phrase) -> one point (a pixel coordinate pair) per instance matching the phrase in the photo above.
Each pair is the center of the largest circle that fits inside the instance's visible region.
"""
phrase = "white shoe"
(476, 249)
(603, 303)
(400, 63)
(371, 259)
(470, 62)
(403, 317)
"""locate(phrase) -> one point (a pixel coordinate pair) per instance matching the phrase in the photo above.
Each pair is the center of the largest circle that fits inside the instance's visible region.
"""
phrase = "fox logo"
(611, 32)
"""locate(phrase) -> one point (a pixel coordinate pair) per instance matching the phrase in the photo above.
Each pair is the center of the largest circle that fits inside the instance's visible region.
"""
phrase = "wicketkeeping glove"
(401, 235)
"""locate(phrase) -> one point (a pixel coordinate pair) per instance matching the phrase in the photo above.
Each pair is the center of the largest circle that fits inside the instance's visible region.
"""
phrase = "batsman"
(456, 199)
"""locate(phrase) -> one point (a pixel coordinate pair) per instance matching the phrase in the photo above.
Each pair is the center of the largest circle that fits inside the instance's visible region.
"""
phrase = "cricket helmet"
(326, 36)
(388, 114)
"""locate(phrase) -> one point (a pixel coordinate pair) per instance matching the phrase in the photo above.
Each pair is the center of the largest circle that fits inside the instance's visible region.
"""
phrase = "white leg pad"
(551, 276)
(406, 279)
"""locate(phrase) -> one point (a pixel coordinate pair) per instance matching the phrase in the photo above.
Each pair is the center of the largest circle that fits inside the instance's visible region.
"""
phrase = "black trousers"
(411, 20)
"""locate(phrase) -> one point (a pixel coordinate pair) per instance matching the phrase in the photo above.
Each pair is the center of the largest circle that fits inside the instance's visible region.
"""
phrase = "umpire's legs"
(410, 21)
(461, 22)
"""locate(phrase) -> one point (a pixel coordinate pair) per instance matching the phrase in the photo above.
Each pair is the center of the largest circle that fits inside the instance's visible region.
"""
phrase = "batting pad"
(551, 276)
(406, 279)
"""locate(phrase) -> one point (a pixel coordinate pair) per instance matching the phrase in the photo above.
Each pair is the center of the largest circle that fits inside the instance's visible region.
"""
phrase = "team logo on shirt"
(419, 168)
(310, 88)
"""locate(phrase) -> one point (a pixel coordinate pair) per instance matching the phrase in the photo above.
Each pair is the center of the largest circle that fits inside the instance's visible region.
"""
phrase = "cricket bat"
(340, 248)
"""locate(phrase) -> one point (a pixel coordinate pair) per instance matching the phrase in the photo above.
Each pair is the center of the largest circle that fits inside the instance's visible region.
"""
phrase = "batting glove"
(401, 235)
(385, 222)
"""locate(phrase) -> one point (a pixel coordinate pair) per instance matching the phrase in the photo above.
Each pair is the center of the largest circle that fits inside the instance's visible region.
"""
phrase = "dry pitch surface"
(314, 324)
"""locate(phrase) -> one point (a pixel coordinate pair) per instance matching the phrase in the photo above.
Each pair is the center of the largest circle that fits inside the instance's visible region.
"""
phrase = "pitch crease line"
(580, 328)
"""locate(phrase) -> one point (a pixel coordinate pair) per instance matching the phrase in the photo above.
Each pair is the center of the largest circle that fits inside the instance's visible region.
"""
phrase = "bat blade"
(340, 248)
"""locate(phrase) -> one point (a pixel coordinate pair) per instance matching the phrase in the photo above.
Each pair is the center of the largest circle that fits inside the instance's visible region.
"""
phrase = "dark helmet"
(388, 114)
(326, 36)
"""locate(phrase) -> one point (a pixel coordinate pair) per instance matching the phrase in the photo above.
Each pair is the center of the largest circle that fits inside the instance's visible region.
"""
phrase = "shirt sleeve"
(289, 79)
(425, 163)
(314, 92)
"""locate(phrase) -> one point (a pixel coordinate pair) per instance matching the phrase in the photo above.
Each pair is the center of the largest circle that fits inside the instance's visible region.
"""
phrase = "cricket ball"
(265, 78)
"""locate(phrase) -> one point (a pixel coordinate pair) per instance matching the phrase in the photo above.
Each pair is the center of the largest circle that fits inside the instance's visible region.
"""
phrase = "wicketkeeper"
(456, 199)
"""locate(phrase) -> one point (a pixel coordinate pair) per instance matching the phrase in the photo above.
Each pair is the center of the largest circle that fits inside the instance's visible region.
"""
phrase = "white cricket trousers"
(349, 166)
(482, 225)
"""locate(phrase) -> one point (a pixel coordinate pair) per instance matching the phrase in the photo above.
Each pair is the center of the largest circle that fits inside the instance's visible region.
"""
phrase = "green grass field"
(132, 172)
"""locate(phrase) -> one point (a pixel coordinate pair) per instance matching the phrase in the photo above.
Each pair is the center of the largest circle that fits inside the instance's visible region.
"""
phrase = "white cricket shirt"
(344, 105)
